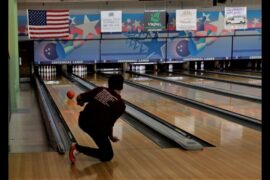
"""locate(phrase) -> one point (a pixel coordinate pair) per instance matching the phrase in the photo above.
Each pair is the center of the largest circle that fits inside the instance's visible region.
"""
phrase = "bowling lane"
(239, 72)
(243, 107)
(129, 137)
(225, 77)
(204, 125)
(235, 88)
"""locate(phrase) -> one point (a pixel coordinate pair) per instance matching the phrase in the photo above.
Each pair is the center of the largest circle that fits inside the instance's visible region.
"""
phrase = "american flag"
(48, 23)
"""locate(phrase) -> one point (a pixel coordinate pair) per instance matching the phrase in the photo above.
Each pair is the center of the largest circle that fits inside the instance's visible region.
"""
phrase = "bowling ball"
(182, 48)
(50, 51)
(70, 94)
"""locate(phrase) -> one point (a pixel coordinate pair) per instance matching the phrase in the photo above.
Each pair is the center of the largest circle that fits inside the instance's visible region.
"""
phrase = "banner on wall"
(154, 20)
(111, 21)
(66, 52)
(247, 47)
(199, 48)
(235, 17)
(186, 19)
(133, 50)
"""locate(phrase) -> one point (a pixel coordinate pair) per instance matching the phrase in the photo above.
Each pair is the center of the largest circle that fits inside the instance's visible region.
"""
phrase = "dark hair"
(116, 82)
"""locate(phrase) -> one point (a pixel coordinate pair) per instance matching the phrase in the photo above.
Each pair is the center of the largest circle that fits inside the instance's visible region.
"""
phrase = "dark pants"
(104, 152)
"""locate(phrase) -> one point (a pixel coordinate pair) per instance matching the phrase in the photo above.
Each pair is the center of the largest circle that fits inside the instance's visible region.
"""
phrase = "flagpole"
(28, 24)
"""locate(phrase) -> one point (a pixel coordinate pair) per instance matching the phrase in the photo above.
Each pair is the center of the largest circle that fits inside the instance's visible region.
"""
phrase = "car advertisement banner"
(235, 17)
(155, 20)
(186, 19)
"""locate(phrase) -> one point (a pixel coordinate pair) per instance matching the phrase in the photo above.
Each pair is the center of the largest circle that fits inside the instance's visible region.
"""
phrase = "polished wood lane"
(226, 77)
(240, 72)
(236, 88)
(204, 125)
(232, 159)
(243, 107)
(70, 112)
(220, 163)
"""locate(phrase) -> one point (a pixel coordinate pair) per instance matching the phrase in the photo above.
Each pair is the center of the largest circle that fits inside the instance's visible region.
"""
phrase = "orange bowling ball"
(70, 94)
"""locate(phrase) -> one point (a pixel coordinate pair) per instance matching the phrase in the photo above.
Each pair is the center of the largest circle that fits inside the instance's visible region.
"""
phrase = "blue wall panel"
(204, 48)
(66, 52)
(247, 47)
(133, 50)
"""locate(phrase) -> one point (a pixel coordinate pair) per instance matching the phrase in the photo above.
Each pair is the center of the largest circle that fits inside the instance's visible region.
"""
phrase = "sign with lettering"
(155, 20)
(186, 19)
(235, 17)
(111, 21)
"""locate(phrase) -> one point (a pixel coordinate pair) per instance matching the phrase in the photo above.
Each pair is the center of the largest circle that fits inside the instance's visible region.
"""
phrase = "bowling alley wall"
(87, 45)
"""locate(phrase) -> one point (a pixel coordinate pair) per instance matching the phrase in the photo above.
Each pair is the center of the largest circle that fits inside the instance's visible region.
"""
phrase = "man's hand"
(79, 101)
(114, 138)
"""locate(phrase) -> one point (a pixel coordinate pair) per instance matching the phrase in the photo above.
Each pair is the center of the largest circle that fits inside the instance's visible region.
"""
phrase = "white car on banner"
(236, 20)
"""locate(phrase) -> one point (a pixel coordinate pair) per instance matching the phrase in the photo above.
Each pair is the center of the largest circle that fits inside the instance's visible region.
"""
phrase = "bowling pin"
(170, 67)
(202, 65)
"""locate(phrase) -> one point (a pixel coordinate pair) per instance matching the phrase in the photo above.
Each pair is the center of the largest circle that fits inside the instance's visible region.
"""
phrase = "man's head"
(116, 82)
